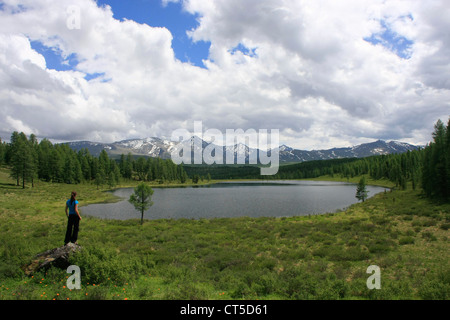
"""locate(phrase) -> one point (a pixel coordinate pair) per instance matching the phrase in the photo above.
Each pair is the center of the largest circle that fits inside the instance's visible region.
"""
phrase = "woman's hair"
(72, 197)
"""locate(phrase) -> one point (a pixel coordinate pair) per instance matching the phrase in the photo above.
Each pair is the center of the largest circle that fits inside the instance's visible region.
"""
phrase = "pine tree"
(128, 167)
(100, 177)
(44, 152)
(141, 169)
(23, 161)
(447, 159)
(438, 159)
(435, 167)
(361, 190)
(141, 199)
(86, 168)
(13, 161)
(2, 152)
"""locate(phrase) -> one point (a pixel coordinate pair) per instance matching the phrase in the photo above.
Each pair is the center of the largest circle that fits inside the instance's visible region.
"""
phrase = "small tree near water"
(141, 199)
(361, 190)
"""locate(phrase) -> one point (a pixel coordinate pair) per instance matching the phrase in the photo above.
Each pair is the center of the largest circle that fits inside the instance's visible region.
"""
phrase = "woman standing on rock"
(74, 218)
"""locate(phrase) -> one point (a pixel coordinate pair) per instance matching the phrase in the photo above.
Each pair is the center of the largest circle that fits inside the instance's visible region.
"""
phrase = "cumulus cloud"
(325, 73)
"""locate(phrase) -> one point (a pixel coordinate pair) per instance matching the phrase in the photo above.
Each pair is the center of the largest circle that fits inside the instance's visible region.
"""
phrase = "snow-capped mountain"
(379, 147)
(152, 147)
(156, 147)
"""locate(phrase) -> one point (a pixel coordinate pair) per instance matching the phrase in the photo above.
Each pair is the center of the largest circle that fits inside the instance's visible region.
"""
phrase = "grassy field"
(313, 257)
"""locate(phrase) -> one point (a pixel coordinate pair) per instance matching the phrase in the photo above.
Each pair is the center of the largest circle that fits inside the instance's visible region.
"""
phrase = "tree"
(435, 168)
(141, 169)
(100, 178)
(2, 152)
(182, 176)
(141, 199)
(23, 160)
(361, 190)
(126, 168)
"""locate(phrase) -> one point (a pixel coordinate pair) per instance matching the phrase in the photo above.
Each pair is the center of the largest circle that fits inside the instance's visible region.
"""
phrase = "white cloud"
(310, 73)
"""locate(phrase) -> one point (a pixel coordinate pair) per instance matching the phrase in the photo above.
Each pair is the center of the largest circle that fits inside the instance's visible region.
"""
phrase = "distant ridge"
(378, 147)
(160, 148)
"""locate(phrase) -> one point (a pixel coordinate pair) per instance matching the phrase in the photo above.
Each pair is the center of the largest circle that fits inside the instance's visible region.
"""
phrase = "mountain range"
(156, 147)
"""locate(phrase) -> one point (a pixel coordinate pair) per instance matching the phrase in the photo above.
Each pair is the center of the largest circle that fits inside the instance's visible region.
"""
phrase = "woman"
(74, 219)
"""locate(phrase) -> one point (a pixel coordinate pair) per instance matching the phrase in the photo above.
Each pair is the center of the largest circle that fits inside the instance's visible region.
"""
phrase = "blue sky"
(392, 41)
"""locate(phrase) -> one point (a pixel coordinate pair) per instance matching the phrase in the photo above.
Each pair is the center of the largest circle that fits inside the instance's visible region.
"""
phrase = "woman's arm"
(67, 214)
(76, 210)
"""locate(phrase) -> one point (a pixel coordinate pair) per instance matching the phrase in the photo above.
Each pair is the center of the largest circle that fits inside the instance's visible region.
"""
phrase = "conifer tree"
(361, 190)
(23, 161)
(141, 199)
(2, 152)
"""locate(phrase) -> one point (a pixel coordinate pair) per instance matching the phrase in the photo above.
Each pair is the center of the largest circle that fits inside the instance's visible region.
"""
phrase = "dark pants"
(73, 225)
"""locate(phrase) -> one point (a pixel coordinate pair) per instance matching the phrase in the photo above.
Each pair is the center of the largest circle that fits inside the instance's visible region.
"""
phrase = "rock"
(58, 257)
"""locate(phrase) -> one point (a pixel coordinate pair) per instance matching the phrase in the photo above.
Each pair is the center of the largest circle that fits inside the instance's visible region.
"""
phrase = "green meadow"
(312, 257)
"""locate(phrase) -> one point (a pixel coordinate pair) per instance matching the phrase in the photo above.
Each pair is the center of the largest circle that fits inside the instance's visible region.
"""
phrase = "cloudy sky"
(325, 73)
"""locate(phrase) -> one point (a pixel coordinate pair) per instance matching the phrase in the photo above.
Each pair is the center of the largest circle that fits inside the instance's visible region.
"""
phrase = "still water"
(236, 199)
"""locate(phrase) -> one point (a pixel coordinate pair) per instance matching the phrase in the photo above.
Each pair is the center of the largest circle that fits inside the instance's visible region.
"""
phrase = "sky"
(325, 73)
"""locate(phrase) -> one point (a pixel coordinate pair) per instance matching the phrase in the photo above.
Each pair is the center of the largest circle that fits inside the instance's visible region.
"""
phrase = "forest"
(30, 160)
(427, 168)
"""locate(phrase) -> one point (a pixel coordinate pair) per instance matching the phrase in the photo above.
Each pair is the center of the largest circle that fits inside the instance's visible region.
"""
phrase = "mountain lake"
(235, 199)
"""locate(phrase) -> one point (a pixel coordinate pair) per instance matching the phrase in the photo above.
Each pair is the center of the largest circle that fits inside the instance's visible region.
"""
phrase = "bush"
(429, 236)
(445, 226)
(99, 265)
(298, 283)
(187, 290)
(434, 290)
(406, 240)
(333, 290)
(381, 245)
(9, 270)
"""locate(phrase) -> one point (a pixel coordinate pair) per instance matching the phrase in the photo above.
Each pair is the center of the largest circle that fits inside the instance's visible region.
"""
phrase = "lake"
(236, 199)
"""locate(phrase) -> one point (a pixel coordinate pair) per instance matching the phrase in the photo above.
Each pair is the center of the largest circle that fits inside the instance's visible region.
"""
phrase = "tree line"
(31, 160)
(398, 168)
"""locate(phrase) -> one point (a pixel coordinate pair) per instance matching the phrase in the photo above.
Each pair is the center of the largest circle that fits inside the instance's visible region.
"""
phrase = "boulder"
(58, 257)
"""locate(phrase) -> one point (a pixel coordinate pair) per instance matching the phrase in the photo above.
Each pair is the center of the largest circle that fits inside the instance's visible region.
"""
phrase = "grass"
(313, 257)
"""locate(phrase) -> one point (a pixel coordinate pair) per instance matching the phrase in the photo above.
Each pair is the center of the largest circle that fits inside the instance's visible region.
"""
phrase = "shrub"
(434, 290)
(265, 284)
(406, 240)
(100, 264)
(9, 270)
(333, 290)
(429, 236)
(241, 290)
(97, 293)
(187, 290)
(445, 226)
